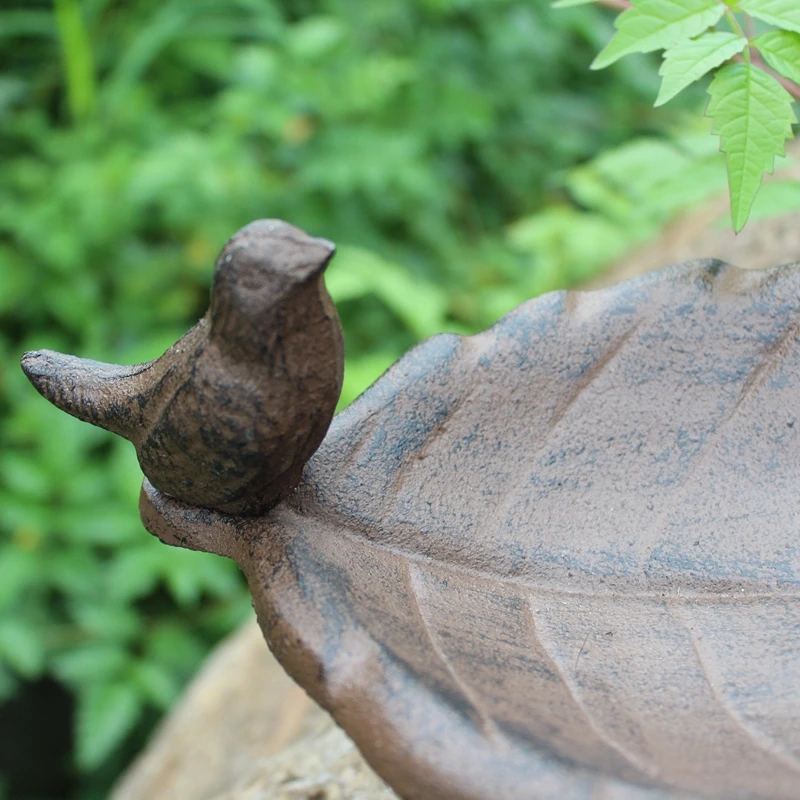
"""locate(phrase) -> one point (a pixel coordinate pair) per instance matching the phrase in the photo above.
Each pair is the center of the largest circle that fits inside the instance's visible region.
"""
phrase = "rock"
(224, 741)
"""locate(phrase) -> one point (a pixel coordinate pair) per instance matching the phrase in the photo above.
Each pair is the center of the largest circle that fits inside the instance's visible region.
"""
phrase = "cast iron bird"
(229, 415)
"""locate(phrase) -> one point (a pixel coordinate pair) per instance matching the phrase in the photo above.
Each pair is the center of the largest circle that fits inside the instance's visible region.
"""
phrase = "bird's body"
(229, 415)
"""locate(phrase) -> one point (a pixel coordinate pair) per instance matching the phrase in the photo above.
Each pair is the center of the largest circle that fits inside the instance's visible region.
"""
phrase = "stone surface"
(244, 731)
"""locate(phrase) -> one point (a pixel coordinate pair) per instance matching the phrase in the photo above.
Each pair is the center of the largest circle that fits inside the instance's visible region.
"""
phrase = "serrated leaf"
(687, 62)
(781, 50)
(106, 715)
(781, 13)
(753, 116)
(656, 24)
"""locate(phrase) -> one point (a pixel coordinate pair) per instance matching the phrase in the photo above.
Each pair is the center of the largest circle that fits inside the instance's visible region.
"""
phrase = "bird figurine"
(228, 416)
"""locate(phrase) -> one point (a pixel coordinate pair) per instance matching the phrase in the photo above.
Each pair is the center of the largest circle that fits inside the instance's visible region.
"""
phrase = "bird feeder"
(557, 559)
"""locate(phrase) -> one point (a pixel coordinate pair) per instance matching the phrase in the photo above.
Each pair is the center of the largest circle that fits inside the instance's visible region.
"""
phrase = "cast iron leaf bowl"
(557, 559)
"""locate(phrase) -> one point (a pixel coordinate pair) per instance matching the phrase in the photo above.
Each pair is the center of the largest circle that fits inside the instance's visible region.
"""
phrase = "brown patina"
(557, 559)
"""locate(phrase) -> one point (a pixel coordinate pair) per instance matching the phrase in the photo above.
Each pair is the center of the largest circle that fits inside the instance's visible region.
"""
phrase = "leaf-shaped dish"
(557, 559)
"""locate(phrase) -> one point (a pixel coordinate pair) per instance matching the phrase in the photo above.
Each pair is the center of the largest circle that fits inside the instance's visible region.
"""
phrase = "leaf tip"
(601, 61)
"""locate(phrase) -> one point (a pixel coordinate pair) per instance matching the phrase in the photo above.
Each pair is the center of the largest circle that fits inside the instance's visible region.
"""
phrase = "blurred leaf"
(135, 572)
(21, 647)
(551, 238)
(155, 682)
(314, 37)
(106, 714)
(107, 622)
(77, 58)
(74, 570)
(146, 44)
(419, 304)
(24, 474)
(18, 571)
(776, 199)
(100, 523)
(188, 574)
(7, 684)
(26, 23)
(91, 664)
(173, 646)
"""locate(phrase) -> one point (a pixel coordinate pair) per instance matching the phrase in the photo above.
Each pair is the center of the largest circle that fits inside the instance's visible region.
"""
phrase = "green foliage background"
(458, 150)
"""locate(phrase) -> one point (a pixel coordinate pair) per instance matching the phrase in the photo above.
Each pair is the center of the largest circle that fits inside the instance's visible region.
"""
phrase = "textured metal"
(557, 559)
(229, 415)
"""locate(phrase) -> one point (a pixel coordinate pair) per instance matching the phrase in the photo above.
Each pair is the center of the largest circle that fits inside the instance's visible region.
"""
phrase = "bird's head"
(261, 265)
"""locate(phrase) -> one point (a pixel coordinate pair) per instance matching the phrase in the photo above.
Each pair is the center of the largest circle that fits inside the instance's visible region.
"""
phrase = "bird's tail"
(93, 391)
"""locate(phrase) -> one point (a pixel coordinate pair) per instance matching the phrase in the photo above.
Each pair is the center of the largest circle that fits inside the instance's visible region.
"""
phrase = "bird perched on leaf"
(229, 415)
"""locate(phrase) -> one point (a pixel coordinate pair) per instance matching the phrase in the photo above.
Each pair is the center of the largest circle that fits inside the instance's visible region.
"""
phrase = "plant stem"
(77, 55)
(737, 28)
(790, 86)
(749, 26)
(748, 32)
(619, 4)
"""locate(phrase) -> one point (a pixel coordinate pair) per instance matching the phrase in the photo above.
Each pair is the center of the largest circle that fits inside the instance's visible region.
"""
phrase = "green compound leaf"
(753, 116)
(781, 13)
(656, 24)
(781, 50)
(687, 62)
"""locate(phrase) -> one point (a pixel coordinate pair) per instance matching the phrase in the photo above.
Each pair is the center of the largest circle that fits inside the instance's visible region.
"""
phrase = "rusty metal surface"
(557, 559)
(229, 415)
